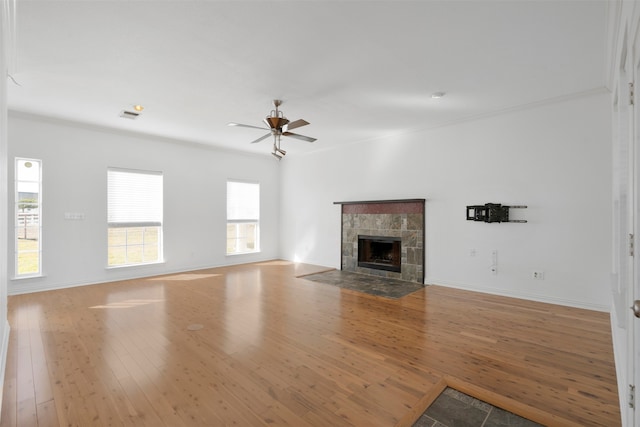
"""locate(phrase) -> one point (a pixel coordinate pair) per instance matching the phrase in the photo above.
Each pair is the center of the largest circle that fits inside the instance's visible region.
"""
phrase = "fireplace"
(380, 253)
(397, 229)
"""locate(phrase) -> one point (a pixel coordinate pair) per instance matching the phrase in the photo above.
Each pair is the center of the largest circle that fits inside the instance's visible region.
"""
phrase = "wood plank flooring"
(275, 349)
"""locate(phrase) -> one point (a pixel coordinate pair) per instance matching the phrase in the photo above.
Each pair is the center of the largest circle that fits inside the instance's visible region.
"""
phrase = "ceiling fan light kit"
(278, 125)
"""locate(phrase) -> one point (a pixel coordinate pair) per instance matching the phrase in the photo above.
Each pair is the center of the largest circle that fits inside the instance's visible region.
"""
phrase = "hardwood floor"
(279, 350)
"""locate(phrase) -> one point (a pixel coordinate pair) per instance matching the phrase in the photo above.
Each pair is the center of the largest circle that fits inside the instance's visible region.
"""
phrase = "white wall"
(4, 324)
(555, 158)
(75, 159)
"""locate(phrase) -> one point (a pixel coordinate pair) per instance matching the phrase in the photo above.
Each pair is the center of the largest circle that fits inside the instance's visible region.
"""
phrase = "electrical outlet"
(74, 216)
(494, 262)
(538, 275)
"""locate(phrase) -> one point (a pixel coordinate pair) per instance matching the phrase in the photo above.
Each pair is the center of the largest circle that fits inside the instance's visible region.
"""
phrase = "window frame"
(135, 225)
(17, 202)
(237, 222)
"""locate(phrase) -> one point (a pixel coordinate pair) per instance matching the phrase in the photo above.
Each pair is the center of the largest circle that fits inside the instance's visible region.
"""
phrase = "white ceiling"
(356, 70)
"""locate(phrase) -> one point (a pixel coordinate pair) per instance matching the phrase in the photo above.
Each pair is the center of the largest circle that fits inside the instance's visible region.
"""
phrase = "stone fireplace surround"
(391, 218)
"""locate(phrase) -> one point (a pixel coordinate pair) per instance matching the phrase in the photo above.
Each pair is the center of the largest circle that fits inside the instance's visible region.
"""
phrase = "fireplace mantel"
(402, 219)
(367, 202)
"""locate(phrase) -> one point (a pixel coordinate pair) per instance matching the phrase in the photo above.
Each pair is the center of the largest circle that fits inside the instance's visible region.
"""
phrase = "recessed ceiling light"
(437, 95)
(138, 107)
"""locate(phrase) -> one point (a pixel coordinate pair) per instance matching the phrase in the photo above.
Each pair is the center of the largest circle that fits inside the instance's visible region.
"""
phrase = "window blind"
(243, 201)
(134, 198)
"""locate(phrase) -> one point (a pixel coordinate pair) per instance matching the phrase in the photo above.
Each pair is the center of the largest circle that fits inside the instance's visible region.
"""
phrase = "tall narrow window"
(134, 215)
(28, 220)
(243, 217)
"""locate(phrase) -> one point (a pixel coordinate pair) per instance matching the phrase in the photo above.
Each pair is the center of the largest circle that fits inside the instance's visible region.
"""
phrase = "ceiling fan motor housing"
(276, 122)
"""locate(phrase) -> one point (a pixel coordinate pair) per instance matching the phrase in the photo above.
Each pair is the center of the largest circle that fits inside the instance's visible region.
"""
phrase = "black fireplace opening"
(380, 252)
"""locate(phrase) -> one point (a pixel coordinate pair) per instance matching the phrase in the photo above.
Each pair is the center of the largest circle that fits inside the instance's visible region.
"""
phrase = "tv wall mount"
(492, 212)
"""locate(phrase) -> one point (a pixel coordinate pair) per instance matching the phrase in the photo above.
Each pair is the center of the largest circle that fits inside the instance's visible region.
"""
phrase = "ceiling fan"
(278, 125)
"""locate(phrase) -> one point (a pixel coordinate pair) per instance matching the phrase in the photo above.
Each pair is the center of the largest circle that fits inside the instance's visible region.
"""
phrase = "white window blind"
(243, 217)
(243, 201)
(134, 198)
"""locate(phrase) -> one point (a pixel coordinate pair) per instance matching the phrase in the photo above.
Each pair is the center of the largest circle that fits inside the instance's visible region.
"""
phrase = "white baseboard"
(520, 295)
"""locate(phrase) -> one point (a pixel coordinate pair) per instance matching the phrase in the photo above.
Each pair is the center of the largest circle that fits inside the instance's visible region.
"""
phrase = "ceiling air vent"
(129, 114)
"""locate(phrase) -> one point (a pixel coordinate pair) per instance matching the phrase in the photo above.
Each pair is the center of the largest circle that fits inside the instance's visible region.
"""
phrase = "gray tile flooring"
(455, 409)
(374, 285)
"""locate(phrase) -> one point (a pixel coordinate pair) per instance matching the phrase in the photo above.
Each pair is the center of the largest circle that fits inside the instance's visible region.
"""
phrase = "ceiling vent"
(129, 114)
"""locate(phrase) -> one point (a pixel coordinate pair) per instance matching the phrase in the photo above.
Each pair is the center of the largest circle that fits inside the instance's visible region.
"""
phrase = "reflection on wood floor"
(274, 349)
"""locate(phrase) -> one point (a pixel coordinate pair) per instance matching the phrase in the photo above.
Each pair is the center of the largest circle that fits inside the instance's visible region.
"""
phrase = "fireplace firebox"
(380, 253)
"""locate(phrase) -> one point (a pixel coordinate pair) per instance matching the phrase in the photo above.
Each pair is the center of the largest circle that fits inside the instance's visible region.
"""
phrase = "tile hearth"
(373, 285)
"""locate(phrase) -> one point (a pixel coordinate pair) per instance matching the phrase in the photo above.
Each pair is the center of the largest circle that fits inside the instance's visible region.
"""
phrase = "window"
(243, 217)
(28, 219)
(134, 215)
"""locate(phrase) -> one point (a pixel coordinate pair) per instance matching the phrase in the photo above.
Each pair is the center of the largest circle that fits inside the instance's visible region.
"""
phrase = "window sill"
(34, 276)
(146, 264)
(243, 253)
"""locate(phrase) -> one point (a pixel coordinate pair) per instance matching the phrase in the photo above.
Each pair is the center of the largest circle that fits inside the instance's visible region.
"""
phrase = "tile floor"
(455, 409)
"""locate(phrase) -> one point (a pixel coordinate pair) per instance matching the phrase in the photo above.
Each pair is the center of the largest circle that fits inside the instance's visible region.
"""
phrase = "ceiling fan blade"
(246, 126)
(295, 124)
(261, 138)
(302, 137)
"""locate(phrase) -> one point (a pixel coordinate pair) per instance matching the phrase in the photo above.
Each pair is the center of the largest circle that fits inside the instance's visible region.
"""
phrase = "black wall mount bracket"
(492, 212)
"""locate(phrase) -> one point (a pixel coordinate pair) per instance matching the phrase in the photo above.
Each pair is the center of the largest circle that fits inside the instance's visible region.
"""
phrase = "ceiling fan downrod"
(276, 120)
